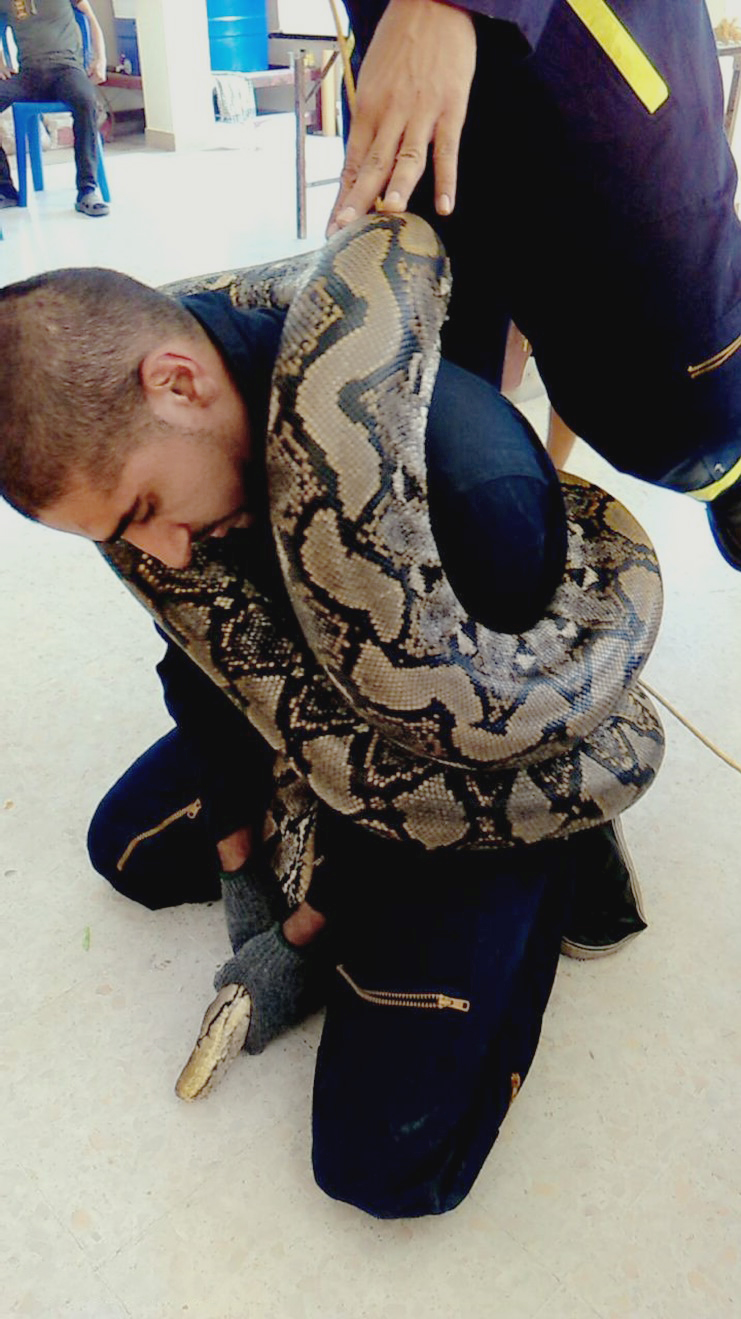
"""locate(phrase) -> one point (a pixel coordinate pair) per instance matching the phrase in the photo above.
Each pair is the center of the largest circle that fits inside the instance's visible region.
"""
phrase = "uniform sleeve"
(528, 16)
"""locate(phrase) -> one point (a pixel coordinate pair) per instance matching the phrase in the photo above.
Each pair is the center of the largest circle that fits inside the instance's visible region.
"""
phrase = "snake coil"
(393, 707)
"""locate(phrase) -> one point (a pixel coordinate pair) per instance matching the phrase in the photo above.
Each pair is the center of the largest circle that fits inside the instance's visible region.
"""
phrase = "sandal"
(91, 204)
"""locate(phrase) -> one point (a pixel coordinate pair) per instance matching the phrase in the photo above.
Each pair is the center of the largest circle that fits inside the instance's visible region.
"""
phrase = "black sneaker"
(607, 911)
(724, 516)
(8, 197)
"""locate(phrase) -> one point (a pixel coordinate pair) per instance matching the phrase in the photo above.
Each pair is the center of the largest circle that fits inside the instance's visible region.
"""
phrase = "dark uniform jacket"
(233, 761)
(595, 207)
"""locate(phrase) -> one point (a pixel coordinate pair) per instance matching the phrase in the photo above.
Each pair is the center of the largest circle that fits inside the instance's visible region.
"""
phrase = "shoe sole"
(582, 952)
(221, 1038)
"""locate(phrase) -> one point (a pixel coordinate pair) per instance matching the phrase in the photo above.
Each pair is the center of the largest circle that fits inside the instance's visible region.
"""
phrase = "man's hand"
(5, 72)
(413, 89)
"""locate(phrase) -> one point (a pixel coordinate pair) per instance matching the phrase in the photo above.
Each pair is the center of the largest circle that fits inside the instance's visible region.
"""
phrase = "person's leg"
(724, 518)
(433, 1021)
(560, 440)
(18, 87)
(150, 836)
(73, 86)
(495, 503)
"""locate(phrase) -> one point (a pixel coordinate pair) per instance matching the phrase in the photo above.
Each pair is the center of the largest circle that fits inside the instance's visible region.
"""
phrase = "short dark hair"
(71, 396)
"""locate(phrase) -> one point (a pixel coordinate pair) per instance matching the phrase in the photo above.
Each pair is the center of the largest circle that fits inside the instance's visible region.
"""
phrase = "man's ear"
(173, 381)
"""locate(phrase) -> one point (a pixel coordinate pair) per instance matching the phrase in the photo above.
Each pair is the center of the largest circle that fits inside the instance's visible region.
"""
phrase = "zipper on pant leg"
(717, 360)
(387, 998)
(191, 811)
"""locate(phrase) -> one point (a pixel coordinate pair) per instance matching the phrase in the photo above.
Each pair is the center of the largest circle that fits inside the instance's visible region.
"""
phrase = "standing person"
(582, 184)
(51, 69)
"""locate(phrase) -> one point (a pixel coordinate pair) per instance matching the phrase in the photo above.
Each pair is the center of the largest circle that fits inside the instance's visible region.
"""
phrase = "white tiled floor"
(615, 1188)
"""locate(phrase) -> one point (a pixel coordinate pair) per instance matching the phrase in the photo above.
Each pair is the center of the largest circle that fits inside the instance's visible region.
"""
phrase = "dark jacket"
(234, 761)
(604, 228)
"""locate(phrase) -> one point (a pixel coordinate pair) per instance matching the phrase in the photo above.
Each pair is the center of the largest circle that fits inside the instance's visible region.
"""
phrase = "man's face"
(173, 489)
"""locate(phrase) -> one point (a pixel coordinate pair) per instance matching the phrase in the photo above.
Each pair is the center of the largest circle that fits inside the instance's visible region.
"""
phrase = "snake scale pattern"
(391, 705)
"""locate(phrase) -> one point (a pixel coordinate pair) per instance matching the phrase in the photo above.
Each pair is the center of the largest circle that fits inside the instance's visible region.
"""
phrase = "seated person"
(51, 69)
(158, 438)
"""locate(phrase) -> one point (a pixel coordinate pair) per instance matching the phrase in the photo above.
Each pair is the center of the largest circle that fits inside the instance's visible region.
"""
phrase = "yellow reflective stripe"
(620, 47)
(708, 492)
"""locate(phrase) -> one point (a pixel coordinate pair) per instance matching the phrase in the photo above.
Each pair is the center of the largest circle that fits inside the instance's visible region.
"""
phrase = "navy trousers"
(408, 1097)
(152, 837)
(61, 83)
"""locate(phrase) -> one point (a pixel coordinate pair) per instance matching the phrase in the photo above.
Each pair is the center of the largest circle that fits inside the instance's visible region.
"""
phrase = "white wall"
(306, 17)
(176, 74)
(719, 9)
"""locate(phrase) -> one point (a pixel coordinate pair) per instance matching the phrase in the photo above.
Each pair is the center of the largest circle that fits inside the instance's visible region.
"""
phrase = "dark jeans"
(59, 83)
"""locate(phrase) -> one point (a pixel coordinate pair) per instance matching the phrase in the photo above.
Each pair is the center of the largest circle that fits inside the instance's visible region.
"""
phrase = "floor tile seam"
(533, 1258)
(137, 1237)
(563, 1277)
(33, 1177)
(543, 1312)
(733, 1187)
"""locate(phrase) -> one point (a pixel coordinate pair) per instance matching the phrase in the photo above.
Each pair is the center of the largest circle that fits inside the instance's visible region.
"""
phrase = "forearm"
(96, 34)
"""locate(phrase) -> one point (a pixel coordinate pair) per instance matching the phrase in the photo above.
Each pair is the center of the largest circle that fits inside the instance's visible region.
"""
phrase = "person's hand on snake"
(413, 90)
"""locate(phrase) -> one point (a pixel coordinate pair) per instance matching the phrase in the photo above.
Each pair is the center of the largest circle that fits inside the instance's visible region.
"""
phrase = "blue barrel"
(238, 35)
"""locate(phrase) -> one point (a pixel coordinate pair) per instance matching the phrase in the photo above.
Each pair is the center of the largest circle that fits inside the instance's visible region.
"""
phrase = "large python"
(392, 706)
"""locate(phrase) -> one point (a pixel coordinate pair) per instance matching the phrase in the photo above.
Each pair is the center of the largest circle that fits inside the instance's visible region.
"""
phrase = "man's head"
(117, 414)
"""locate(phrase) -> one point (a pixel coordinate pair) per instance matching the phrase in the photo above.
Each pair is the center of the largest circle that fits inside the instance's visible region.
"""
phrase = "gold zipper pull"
(459, 1004)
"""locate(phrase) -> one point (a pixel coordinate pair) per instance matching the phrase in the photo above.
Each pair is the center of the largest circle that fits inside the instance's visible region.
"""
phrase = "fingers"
(408, 168)
(368, 161)
(412, 93)
(445, 157)
(387, 174)
(389, 170)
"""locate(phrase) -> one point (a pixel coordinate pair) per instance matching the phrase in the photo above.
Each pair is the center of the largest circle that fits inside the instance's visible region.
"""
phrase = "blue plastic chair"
(27, 125)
